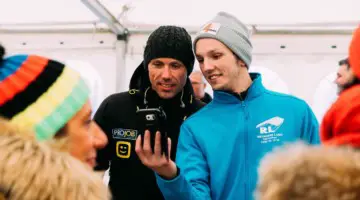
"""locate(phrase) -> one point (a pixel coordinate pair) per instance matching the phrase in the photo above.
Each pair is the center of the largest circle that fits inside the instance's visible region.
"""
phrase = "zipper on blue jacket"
(246, 153)
(246, 189)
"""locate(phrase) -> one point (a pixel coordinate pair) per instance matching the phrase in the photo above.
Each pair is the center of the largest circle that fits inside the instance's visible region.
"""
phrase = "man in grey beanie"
(220, 146)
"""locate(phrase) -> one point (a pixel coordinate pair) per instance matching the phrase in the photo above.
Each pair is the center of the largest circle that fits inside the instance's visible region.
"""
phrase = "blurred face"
(167, 76)
(219, 65)
(85, 136)
(198, 85)
(345, 77)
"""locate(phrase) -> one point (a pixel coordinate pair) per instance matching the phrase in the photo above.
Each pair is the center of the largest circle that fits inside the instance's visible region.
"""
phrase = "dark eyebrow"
(177, 62)
(157, 60)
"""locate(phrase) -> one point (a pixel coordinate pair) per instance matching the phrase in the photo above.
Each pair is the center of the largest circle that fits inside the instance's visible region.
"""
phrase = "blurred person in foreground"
(46, 97)
(31, 169)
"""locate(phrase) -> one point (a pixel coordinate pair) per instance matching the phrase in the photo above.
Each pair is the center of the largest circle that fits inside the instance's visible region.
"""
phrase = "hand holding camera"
(154, 147)
(156, 160)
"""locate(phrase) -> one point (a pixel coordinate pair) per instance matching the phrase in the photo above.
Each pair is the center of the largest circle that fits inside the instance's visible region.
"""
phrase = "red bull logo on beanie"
(211, 28)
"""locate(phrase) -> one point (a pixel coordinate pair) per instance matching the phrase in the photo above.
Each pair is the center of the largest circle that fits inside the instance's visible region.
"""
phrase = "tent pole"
(120, 50)
(121, 43)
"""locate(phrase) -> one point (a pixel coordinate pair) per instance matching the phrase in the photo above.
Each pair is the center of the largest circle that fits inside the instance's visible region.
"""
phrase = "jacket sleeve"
(310, 127)
(192, 182)
(103, 155)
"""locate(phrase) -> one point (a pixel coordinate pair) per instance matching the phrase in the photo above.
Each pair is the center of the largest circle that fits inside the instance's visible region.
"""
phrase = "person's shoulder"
(198, 104)
(195, 106)
(123, 97)
(120, 102)
(117, 105)
(207, 98)
(202, 113)
(286, 98)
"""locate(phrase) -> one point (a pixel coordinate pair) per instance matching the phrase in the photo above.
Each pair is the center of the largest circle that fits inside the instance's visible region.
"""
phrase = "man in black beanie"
(161, 80)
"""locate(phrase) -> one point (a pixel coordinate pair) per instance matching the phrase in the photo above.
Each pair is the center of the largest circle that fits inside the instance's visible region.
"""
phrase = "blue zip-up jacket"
(221, 145)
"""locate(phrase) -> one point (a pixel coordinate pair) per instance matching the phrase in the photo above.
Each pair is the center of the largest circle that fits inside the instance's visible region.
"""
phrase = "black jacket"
(207, 98)
(129, 178)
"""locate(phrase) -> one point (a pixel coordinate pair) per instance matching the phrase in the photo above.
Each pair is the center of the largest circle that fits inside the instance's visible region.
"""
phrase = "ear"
(205, 85)
(241, 63)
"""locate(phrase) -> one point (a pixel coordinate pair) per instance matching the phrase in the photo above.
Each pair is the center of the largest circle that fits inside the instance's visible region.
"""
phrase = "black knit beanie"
(170, 42)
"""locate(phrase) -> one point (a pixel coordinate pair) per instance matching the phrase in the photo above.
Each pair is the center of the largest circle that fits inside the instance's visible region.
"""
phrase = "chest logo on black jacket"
(269, 130)
(123, 149)
(124, 134)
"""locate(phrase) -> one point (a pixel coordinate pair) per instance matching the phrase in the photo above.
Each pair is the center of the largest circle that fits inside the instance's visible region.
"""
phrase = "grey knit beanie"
(231, 32)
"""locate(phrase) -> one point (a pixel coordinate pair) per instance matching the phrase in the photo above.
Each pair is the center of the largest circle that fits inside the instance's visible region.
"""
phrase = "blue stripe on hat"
(10, 65)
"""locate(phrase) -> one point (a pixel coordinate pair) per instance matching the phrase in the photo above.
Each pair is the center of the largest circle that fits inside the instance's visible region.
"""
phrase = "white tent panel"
(92, 79)
(325, 95)
(196, 13)
(41, 11)
(185, 12)
(22, 12)
(271, 79)
(95, 49)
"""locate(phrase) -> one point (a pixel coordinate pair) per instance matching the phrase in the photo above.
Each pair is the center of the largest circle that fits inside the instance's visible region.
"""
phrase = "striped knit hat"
(39, 94)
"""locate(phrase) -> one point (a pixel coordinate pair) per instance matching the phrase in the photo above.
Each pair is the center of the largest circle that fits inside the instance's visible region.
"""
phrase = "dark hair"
(344, 62)
(2, 53)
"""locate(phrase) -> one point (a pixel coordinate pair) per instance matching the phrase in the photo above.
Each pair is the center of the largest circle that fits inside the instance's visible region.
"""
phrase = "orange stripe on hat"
(354, 53)
(18, 81)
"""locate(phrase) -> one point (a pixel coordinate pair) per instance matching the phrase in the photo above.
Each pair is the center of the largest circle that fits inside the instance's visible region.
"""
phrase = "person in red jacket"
(341, 124)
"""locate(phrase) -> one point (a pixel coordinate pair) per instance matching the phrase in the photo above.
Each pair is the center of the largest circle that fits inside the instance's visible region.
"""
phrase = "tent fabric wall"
(187, 12)
(92, 78)
(96, 49)
(190, 13)
(325, 95)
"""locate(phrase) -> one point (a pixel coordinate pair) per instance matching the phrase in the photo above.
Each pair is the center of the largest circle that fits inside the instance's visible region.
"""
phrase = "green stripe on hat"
(47, 128)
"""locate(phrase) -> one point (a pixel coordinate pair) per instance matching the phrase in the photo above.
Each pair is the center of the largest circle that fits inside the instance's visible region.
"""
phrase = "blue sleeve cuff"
(160, 178)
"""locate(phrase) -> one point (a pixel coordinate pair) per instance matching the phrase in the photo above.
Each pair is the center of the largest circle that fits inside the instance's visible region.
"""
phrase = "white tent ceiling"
(43, 11)
(188, 12)
(184, 12)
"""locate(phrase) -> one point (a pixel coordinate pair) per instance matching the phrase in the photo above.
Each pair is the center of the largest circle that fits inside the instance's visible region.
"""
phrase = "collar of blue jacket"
(255, 90)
